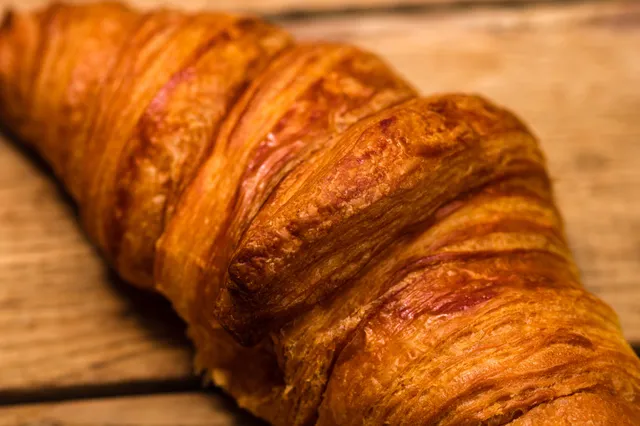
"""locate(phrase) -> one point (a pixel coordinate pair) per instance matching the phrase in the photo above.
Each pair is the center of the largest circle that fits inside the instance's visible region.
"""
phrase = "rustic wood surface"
(571, 71)
(283, 7)
(188, 409)
(64, 319)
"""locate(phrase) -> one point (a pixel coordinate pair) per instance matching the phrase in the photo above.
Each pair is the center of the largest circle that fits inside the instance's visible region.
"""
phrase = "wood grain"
(189, 409)
(568, 70)
(64, 319)
(277, 7)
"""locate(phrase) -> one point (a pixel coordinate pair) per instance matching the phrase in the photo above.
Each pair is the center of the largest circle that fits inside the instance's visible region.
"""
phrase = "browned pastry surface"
(343, 250)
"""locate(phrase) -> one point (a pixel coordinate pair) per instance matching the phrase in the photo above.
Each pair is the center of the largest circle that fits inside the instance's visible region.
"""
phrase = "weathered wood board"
(187, 409)
(571, 71)
(280, 7)
(64, 319)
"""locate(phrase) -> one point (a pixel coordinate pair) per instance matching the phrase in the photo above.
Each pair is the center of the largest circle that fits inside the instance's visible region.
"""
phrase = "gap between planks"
(101, 391)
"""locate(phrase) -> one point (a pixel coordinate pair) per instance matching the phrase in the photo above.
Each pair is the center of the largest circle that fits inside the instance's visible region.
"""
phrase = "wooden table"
(79, 347)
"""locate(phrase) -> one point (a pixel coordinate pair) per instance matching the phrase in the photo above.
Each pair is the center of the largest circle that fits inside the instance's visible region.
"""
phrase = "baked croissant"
(344, 251)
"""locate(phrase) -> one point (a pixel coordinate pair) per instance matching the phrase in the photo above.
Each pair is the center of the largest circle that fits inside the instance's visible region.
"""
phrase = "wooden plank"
(188, 409)
(569, 71)
(276, 6)
(64, 319)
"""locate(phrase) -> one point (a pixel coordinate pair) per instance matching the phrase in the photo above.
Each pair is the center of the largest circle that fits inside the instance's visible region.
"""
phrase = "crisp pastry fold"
(343, 250)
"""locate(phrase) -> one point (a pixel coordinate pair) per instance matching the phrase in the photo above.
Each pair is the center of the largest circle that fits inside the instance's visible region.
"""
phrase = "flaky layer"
(384, 258)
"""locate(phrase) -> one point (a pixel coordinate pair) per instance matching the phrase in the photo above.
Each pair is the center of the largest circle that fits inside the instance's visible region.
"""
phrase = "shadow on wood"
(67, 321)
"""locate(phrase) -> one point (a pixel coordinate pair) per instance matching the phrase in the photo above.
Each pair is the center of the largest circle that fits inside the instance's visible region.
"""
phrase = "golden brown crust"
(594, 408)
(383, 177)
(387, 259)
(49, 84)
(177, 132)
(310, 94)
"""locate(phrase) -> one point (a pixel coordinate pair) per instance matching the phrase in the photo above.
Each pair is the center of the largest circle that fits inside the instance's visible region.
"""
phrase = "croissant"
(343, 250)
